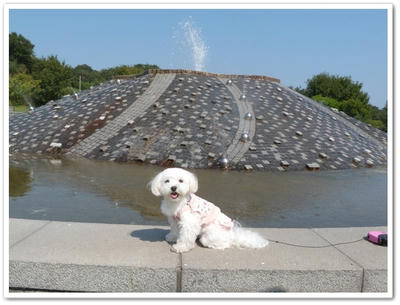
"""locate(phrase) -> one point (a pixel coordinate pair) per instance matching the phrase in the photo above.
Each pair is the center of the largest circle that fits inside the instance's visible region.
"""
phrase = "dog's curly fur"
(176, 186)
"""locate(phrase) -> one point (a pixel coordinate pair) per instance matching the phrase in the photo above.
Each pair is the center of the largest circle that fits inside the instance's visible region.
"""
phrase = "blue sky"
(292, 45)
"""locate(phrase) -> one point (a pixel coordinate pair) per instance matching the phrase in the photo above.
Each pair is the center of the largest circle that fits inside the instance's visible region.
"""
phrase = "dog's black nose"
(173, 188)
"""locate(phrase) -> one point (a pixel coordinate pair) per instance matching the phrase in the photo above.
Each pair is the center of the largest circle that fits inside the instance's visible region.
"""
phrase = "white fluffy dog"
(191, 217)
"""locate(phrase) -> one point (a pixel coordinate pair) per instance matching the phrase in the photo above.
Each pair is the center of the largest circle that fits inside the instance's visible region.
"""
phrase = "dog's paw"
(180, 248)
(171, 237)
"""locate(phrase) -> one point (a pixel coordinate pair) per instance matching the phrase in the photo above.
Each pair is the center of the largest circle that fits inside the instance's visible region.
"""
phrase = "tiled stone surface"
(193, 120)
(377, 136)
(69, 120)
(297, 130)
(134, 111)
(371, 131)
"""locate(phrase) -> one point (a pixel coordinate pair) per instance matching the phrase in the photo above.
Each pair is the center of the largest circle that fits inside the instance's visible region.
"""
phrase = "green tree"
(383, 114)
(328, 101)
(89, 77)
(21, 52)
(15, 67)
(379, 117)
(357, 109)
(54, 76)
(126, 70)
(22, 89)
(341, 88)
(379, 114)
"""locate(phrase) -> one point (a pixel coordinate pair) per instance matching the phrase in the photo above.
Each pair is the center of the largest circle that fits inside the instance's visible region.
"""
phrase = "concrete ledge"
(91, 278)
(373, 259)
(91, 257)
(277, 268)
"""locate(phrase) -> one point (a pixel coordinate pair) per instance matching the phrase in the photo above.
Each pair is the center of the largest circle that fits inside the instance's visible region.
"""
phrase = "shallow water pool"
(107, 192)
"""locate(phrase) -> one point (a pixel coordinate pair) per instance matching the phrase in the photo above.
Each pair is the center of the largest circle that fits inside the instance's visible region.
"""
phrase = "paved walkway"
(238, 148)
(136, 110)
(69, 256)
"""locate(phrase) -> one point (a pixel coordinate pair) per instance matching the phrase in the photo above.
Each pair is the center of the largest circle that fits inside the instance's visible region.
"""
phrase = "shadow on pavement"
(152, 235)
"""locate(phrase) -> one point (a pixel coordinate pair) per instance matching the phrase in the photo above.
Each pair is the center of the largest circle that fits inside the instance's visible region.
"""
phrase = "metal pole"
(80, 80)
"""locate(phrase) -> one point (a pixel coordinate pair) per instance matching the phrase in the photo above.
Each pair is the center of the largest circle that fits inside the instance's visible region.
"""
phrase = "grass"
(21, 108)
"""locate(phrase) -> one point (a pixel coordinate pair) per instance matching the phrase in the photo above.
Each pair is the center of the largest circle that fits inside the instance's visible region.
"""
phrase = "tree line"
(36, 81)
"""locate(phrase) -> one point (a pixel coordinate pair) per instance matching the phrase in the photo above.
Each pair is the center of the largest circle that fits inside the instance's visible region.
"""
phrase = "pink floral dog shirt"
(209, 213)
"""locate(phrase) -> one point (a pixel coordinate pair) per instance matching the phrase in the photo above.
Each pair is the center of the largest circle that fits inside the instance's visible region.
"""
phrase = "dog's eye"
(166, 181)
(180, 180)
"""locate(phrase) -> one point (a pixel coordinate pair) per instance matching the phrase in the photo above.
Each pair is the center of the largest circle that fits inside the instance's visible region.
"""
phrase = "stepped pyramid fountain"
(195, 119)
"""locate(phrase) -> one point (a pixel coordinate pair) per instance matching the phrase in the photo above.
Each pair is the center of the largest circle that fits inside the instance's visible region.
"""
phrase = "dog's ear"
(154, 185)
(193, 183)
